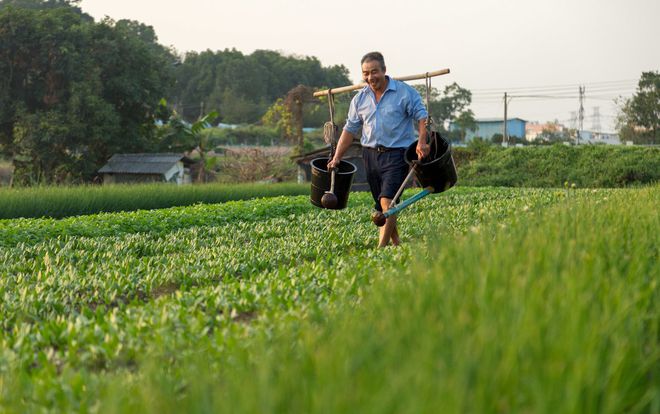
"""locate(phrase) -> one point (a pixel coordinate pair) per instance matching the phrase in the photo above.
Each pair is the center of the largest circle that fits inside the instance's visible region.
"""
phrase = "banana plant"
(194, 131)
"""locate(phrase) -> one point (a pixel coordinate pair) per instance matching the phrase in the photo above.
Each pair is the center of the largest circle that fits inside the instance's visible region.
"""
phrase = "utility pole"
(580, 114)
(505, 137)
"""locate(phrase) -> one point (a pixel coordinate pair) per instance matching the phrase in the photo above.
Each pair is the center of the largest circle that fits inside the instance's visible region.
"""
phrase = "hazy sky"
(543, 48)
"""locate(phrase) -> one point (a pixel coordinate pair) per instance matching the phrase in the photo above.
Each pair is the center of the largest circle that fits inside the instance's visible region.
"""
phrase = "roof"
(498, 119)
(142, 163)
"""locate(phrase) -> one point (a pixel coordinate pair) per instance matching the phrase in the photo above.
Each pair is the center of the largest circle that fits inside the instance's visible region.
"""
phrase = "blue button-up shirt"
(390, 121)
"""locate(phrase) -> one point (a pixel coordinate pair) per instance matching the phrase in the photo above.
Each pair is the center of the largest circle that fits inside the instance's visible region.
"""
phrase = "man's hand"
(333, 163)
(344, 143)
(422, 149)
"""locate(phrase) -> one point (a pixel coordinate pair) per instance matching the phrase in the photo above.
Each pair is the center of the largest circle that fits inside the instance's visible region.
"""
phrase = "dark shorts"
(385, 172)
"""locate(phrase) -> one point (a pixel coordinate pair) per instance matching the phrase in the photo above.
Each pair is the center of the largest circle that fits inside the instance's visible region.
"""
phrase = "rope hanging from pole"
(429, 120)
(431, 137)
(331, 105)
(330, 130)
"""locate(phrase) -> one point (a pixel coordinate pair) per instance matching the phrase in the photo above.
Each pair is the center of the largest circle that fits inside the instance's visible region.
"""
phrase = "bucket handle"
(430, 135)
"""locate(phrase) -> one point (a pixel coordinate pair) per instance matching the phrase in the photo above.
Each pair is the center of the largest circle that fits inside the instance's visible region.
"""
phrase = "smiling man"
(387, 110)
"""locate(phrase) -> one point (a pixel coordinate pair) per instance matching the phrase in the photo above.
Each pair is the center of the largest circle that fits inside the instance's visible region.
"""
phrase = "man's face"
(374, 75)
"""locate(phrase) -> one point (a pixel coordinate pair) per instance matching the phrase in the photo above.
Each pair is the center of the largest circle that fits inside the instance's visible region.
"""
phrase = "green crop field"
(500, 300)
(60, 201)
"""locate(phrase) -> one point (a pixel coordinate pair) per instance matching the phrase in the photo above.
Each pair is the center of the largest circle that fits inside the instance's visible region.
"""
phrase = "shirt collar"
(391, 86)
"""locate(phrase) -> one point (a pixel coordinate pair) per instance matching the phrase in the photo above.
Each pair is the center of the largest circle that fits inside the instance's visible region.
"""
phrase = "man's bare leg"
(388, 231)
(395, 236)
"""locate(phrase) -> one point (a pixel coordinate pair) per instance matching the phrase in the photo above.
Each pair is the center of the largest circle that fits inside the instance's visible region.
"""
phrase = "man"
(386, 110)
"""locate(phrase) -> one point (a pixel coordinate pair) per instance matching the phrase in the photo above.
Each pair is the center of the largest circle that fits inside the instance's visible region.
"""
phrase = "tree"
(639, 117)
(449, 104)
(465, 122)
(243, 87)
(295, 101)
(172, 133)
(44, 5)
(136, 73)
(280, 117)
(177, 135)
(454, 101)
(553, 132)
(194, 131)
(450, 107)
(41, 79)
(73, 92)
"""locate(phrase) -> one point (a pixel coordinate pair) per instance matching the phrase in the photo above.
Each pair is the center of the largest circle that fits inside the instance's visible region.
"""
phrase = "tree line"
(74, 91)
(242, 87)
(639, 119)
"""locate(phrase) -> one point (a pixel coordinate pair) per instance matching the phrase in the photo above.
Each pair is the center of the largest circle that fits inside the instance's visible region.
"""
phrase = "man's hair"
(377, 56)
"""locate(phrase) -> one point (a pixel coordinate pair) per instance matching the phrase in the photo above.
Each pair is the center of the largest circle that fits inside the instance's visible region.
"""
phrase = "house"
(487, 127)
(141, 168)
(534, 129)
(353, 155)
(590, 137)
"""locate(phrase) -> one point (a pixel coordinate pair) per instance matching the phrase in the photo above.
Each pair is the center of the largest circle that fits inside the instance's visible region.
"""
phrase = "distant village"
(537, 132)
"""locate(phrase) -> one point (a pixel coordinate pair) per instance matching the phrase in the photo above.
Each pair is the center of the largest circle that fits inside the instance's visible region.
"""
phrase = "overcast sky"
(544, 48)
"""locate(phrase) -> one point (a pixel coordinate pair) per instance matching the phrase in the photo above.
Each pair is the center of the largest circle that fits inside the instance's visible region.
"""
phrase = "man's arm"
(345, 141)
(418, 111)
(423, 147)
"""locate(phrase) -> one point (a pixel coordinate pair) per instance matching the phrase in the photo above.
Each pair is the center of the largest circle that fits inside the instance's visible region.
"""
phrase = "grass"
(554, 313)
(547, 167)
(58, 202)
(6, 170)
(501, 300)
(87, 301)
(590, 166)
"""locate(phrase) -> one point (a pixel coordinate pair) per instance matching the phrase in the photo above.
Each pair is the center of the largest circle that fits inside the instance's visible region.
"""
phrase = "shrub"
(551, 166)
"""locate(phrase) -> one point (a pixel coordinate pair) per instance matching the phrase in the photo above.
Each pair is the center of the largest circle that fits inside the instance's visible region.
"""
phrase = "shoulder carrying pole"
(362, 85)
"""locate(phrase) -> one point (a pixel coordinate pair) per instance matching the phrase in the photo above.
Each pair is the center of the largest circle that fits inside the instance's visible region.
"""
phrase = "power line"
(605, 88)
(556, 92)
(543, 97)
(563, 86)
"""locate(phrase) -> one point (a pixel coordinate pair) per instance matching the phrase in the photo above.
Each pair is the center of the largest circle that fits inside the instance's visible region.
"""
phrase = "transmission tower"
(580, 113)
(596, 119)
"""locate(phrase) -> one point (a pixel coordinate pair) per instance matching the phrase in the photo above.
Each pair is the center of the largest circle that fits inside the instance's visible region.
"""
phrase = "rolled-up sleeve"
(353, 121)
(418, 110)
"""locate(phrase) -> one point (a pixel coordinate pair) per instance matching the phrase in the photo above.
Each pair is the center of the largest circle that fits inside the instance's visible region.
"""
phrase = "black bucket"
(321, 181)
(440, 171)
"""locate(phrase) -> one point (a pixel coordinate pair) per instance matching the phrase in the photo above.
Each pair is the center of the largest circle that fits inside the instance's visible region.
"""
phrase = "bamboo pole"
(362, 85)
